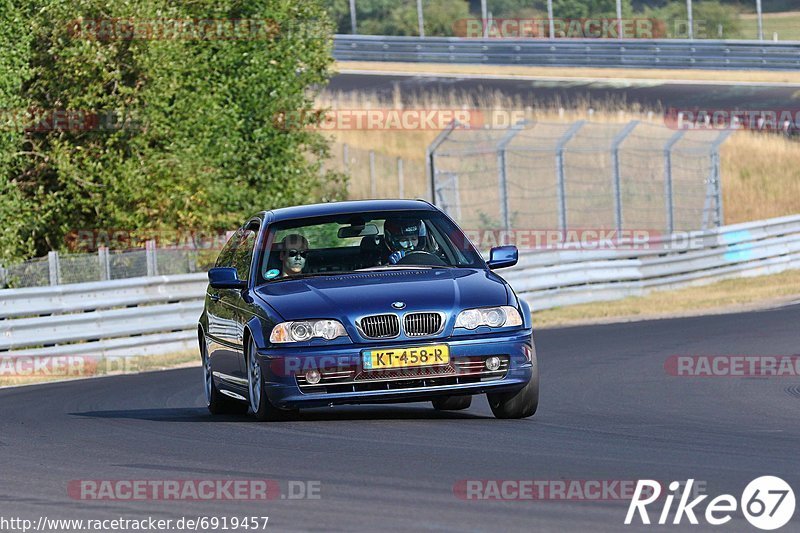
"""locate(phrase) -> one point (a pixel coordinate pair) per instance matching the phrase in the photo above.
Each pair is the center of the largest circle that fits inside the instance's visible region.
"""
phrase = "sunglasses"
(295, 253)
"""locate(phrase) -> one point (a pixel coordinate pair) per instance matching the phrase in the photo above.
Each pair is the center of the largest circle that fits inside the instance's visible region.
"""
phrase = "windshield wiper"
(401, 267)
(311, 275)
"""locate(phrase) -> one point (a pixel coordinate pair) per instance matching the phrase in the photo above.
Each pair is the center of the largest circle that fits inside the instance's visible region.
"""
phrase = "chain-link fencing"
(59, 268)
(581, 175)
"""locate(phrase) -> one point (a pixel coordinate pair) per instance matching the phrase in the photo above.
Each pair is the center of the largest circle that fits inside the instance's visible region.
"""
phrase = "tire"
(520, 404)
(260, 405)
(452, 403)
(216, 402)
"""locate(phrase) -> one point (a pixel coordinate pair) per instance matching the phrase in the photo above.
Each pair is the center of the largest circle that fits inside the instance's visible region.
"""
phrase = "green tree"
(197, 145)
(16, 224)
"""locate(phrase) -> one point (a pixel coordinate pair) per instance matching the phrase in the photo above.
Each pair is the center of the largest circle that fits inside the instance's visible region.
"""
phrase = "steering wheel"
(419, 257)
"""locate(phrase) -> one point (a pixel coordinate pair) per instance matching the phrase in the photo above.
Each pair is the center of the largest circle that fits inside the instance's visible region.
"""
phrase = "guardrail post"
(760, 18)
(3, 277)
(670, 208)
(502, 172)
(54, 266)
(561, 187)
(150, 255)
(690, 18)
(484, 20)
(353, 16)
(430, 158)
(714, 189)
(401, 193)
(420, 19)
(621, 136)
(373, 186)
(105, 263)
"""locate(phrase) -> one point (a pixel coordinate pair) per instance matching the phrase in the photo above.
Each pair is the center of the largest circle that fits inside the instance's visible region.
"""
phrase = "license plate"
(438, 354)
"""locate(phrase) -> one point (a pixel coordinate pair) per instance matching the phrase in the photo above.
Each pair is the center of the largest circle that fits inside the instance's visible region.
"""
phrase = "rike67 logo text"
(767, 503)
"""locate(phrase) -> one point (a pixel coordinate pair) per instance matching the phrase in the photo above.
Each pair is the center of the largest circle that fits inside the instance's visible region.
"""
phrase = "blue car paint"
(346, 297)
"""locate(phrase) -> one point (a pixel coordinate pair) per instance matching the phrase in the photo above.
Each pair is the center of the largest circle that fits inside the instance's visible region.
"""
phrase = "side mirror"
(225, 278)
(503, 256)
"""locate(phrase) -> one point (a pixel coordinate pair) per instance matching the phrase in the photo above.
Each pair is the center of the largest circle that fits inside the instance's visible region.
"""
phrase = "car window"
(243, 254)
(357, 241)
(225, 257)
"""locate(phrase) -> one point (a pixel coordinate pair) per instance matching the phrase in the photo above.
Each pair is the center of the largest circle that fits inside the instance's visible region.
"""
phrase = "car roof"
(351, 206)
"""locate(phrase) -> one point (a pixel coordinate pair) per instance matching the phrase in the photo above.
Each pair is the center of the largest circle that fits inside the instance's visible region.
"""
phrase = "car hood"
(347, 296)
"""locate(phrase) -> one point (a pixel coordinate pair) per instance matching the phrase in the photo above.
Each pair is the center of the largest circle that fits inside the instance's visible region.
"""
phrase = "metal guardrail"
(142, 316)
(613, 53)
(560, 278)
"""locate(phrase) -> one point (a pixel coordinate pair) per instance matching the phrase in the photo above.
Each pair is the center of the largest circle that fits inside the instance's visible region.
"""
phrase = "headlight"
(303, 330)
(494, 317)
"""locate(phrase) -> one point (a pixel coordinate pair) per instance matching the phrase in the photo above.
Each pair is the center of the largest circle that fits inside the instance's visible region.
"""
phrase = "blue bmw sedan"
(357, 302)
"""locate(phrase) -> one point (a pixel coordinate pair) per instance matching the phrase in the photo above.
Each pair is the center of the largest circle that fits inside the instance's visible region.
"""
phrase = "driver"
(294, 250)
(403, 236)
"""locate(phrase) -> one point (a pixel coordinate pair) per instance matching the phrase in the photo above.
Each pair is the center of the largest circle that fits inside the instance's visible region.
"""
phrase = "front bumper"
(283, 369)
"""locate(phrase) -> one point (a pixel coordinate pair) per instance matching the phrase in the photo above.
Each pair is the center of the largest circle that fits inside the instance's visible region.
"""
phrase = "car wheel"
(260, 405)
(520, 404)
(216, 402)
(452, 403)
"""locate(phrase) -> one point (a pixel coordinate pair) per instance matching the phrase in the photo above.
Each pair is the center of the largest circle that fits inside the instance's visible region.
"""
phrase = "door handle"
(215, 297)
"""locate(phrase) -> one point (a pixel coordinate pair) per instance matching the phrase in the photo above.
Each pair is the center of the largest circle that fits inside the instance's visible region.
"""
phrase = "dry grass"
(575, 72)
(760, 172)
(718, 297)
(785, 24)
(85, 368)
(760, 177)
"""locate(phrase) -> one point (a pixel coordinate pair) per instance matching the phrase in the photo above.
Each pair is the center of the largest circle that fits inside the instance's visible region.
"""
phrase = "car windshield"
(364, 241)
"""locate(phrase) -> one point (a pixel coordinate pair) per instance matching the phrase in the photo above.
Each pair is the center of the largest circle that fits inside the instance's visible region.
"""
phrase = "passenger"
(294, 251)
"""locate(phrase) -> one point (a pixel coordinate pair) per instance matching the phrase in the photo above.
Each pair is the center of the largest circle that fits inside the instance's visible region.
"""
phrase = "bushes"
(187, 133)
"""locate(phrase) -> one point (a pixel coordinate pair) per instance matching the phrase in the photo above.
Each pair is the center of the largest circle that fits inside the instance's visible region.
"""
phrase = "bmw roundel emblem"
(398, 305)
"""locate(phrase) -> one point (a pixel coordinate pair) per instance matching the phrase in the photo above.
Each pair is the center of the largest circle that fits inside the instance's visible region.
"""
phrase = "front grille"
(380, 326)
(422, 324)
(460, 371)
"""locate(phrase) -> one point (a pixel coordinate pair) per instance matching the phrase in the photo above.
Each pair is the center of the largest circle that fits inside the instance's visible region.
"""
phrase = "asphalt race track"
(571, 93)
(608, 411)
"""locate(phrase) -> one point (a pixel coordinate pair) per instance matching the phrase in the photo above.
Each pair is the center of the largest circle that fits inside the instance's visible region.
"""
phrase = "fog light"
(493, 363)
(313, 377)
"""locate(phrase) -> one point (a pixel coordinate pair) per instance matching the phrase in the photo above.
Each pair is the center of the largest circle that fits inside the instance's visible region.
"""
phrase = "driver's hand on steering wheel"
(397, 256)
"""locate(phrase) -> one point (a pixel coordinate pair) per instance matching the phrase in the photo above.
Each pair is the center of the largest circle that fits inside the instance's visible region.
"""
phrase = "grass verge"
(722, 296)
(749, 76)
(24, 371)
(785, 24)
